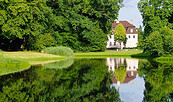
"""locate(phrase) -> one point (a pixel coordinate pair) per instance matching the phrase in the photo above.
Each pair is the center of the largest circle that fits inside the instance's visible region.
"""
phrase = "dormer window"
(131, 30)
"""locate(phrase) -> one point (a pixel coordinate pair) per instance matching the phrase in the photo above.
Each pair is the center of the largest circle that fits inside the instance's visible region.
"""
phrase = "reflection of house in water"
(131, 66)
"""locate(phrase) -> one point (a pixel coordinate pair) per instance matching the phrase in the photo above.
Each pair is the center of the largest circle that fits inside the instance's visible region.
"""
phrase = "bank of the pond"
(11, 62)
(33, 57)
(12, 65)
(112, 53)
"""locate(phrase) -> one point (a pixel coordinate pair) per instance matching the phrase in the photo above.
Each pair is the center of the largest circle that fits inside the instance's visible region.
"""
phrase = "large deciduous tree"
(156, 14)
(83, 24)
(35, 24)
(120, 34)
(158, 24)
(24, 20)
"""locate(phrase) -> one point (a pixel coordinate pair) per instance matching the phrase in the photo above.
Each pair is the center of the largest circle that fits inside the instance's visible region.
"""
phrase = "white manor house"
(131, 34)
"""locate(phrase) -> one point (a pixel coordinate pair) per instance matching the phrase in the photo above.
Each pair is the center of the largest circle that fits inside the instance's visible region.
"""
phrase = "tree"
(120, 34)
(140, 37)
(154, 44)
(23, 20)
(156, 14)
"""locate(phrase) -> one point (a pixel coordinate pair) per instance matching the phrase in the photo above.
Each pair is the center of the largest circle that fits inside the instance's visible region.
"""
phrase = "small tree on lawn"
(120, 34)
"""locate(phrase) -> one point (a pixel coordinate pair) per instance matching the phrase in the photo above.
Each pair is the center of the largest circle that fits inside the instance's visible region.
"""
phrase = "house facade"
(131, 35)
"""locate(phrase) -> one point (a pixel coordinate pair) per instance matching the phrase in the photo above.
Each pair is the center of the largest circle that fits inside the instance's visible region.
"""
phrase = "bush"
(60, 50)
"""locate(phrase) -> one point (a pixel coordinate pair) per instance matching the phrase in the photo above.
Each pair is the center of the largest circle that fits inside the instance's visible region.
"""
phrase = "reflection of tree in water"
(120, 74)
(158, 81)
(60, 64)
(85, 80)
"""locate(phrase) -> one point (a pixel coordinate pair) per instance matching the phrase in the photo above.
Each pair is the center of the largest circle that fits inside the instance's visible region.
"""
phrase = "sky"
(130, 12)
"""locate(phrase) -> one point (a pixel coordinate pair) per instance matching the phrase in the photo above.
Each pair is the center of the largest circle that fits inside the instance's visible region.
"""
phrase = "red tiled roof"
(124, 23)
(127, 26)
(134, 31)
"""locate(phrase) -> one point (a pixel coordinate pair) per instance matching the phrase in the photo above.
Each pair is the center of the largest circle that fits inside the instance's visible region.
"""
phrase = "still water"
(90, 80)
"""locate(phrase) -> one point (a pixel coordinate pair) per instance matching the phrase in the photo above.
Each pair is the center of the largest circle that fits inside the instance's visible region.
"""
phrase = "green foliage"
(154, 44)
(60, 50)
(140, 38)
(12, 65)
(120, 74)
(158, 81)
(120, 34)
(156, 14)
(159, 43)
(35, 24)
(85, 80)
(60, 64)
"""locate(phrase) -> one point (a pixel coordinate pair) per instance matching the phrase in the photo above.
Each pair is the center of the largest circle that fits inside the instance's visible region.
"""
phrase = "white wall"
(131, 42)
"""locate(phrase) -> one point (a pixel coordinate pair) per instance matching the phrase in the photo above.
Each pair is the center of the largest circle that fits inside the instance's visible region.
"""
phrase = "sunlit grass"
(33, 57)
(109, 53)
(12, 65)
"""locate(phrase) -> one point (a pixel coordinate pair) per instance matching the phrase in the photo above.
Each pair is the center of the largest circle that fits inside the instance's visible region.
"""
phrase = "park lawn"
(111, 53)
(11, 62)
(32, 57)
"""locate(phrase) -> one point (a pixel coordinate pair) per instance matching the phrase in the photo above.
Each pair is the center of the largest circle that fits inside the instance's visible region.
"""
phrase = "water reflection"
(158, 81)
(105, 80)
(129, 66)
(125, 78)
(85, 80)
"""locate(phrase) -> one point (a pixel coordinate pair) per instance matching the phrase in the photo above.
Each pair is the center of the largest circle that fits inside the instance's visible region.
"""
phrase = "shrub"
(60, 50)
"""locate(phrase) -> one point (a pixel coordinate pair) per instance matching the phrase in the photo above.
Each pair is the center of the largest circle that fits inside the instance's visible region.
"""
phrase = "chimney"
(118, 21)
(131, 22)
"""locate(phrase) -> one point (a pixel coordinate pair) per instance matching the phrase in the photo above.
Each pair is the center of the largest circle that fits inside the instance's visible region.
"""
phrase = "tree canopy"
(156, 14)
(120, 34)
(158, 24)
(36, 24)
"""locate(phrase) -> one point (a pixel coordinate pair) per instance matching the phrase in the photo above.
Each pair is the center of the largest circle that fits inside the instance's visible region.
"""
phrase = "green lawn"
(33, 57)
(112, 53)
(11, 62)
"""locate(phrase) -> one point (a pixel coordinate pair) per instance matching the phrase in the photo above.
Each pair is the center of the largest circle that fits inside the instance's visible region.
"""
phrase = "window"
(133, 36)
(110, 43)
(132, 73)
(114, 43)
(131, 30)
(129, 36)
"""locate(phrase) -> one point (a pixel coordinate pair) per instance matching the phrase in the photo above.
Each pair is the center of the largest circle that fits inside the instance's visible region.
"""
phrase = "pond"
(90, 80)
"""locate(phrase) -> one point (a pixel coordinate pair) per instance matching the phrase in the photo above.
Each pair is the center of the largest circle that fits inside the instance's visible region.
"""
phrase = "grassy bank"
(112, 53)
(11, 62)
(33, 57)
(12, 65)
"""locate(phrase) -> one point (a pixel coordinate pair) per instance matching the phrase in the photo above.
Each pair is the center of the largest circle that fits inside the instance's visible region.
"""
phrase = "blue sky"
(130, 12)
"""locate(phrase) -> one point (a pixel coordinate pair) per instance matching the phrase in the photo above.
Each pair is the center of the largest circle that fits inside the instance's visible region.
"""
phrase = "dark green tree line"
(36, 24)
(158, 24)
